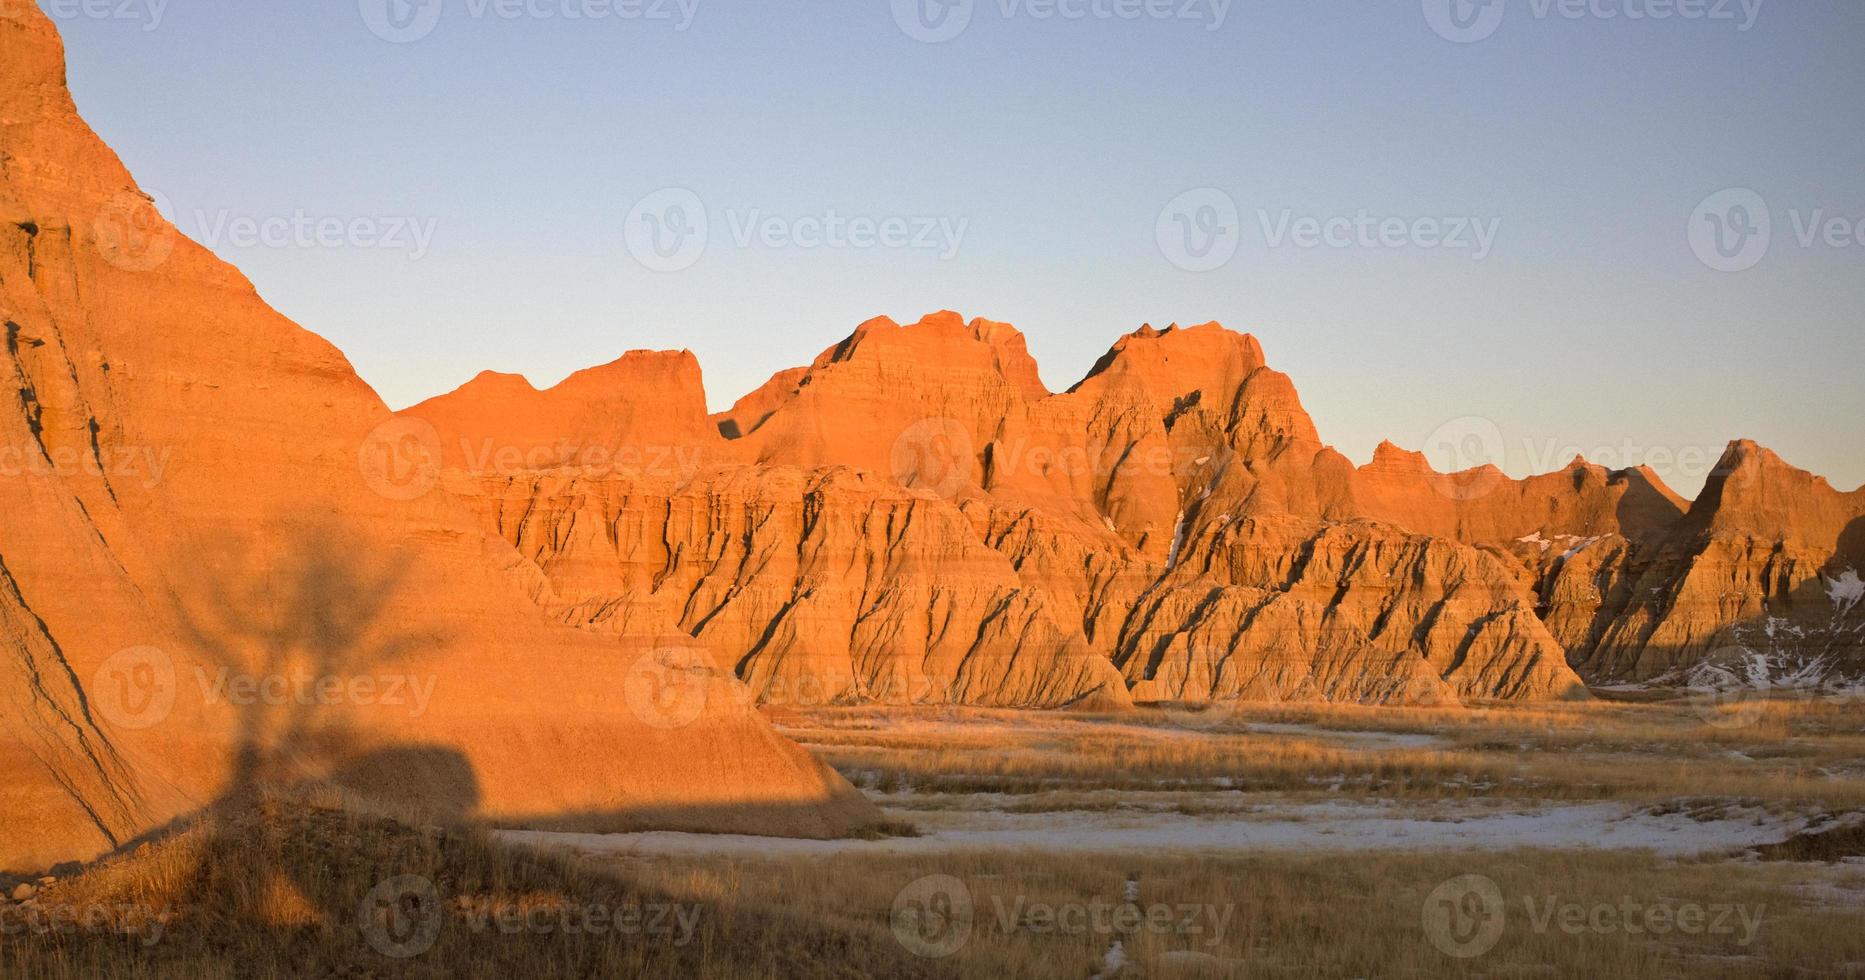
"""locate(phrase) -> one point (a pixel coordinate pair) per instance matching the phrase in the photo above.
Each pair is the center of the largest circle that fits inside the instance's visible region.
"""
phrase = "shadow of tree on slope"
(333, 851)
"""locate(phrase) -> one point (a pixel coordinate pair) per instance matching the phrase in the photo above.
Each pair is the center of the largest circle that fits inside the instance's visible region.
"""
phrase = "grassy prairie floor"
(1786, 752)
(293, 886)
(284, 894)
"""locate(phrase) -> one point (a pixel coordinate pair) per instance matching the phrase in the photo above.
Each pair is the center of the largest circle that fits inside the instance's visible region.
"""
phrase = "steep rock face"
(1575, 537)
(209, 579)
(1052, 537)
(1348, 611)
(827, 586)
(1761, 577)
(1275, 584)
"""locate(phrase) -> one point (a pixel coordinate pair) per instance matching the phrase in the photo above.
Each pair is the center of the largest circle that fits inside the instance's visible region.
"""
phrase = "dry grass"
(279, 890)
(1329, 915)
(1799, 753)
(272, 894)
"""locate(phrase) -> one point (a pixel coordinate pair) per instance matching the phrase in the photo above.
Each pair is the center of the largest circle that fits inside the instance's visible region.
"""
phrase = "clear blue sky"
(524, 143)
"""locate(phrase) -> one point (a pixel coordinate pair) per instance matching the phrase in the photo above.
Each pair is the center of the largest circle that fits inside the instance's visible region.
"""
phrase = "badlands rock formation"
(914, 517)
(1761, 579)
(219, 567)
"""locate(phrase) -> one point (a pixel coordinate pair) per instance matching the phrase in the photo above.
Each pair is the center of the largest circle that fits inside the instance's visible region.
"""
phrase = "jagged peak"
(1203, 351)
(1388, 455)
(943, 338)
(1754, 491)
(1752, 460)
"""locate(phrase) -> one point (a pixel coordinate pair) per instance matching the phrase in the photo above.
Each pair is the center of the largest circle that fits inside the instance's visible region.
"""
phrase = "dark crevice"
(82, 731)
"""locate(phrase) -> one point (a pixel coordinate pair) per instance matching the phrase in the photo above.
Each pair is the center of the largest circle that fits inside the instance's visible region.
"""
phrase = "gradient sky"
(524, 143)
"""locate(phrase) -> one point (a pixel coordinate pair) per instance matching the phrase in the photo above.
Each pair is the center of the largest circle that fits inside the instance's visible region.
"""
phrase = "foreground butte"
(197, 503)
(913, 517)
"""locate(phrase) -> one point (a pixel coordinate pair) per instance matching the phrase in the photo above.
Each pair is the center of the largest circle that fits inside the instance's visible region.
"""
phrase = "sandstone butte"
(914, 517)
(193, 497)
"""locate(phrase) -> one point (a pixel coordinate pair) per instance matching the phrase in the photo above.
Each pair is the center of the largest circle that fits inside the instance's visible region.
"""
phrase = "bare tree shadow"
(297, 635)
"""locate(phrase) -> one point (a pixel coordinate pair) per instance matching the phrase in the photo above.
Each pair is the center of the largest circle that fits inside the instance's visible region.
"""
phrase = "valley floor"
(1613, 838)
(1622, 839)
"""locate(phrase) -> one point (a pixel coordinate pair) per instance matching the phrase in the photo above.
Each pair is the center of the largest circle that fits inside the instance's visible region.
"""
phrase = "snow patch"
(1845, 591)
(1178, 541)
(1584, 544)
(1335, 826)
